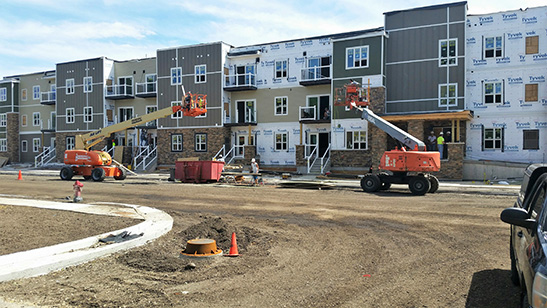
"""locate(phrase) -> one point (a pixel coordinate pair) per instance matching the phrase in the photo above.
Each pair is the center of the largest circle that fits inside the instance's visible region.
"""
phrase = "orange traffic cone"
(20, 177)
(233, 247)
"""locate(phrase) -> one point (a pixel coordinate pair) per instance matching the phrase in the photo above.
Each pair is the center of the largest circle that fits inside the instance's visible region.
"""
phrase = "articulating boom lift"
(398, 166)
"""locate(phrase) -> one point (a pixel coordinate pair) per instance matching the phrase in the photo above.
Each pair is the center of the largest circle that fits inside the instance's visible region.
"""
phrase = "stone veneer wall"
(215, 140)
(13, 137)
(452, 168)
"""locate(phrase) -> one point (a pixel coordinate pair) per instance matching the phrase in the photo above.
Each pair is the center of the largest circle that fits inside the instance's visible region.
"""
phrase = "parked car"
(528, 242)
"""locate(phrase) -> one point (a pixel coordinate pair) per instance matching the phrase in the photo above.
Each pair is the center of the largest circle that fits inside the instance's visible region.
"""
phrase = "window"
(176, 75)
(150, 109)
(125, 85)
(35, 145)
(70, 115)
(176, 143)
(493, 47)
(246, 111)
(24, 94)
(88, 114)
(532, 45)
(3, 145)
(281, 105)
(201, 73)
(36, 119)
(36, 92)
(448, 94)
(178, 114)
(493, 138)
(531, 92)
(357, 57)
(69, 86)
(530, 139)
(281, 68)
(281, 141)
(125, 113)
(356, 140)
(3, 120)
(88, 84)
(70, 141)
(493, 92)
(447, 52)
(24, 120)
(201, 142)
(3, 94)
(24, 146)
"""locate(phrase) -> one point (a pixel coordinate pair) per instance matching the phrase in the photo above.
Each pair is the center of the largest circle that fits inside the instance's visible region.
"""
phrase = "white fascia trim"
(30, 133)
(373, 34)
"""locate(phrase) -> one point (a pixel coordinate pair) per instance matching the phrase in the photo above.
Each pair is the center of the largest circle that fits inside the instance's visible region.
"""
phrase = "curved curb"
(43, 260)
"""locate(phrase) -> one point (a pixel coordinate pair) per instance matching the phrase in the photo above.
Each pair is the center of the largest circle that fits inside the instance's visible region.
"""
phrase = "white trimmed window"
(124, 114)
(3, 145)
(3, 120)
(448, 51)
(24, 94)
(176, 143)
(24, 146)
(36, 92)
(150, 109)
(201, 73)
(493, 92)
(176, 76)
(69, 86)
(70, 115)
(281, 68)
(493, 138)
(448, 94)
(493, 47)
(281, 105)
(88, 114)
(70, 142)
(178, 114)
(281, 141)
(3, 94)
(88, 84)
(24, 120)
(35, 145)
(201, 142)
(356, 140)
(36, 119)
(357, 57)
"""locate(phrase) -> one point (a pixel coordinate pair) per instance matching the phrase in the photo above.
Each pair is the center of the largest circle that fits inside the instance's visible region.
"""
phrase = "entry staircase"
(146, 158)
(315, 164)
(47, 155)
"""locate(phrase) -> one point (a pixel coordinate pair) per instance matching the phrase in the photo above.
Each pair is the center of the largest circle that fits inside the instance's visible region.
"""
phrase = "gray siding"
(375, 57)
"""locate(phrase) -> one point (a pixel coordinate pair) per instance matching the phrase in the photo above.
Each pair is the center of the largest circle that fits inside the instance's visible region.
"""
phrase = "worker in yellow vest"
(440, 144)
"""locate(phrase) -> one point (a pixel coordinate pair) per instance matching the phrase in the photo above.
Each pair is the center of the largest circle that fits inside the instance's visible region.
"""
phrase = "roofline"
(515, 10)
(431, 7)
(84, 60)
(193, 45)
(28, 74)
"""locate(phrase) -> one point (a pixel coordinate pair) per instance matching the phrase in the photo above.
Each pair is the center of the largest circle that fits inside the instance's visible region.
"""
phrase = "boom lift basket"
(352, 93)
(197, 105)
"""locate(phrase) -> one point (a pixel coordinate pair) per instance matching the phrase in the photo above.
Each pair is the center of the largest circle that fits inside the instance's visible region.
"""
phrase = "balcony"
(311, 76)
(120, 91)
(146, 89)
(309, 114)
(48, 98)
(240, 82)
(49, 128)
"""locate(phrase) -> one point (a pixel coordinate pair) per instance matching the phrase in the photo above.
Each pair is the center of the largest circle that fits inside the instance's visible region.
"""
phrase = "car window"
(538, 203)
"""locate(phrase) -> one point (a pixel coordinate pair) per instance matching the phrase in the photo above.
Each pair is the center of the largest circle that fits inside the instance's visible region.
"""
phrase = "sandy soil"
(299, 248)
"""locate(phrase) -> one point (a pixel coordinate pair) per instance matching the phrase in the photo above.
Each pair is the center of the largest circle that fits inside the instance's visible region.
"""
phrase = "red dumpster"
(198, 171)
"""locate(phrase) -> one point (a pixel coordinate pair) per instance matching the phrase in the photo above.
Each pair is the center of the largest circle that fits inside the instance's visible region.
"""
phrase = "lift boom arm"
(405, 138)
(86, 141)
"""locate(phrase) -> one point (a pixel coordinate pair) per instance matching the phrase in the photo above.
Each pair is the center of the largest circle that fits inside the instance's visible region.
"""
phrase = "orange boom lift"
(97, 165)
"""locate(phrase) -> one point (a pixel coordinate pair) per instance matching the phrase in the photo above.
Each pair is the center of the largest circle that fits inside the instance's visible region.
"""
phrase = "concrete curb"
(41, 261)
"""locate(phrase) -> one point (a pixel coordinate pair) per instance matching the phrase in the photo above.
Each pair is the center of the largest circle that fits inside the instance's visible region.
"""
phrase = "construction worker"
(188, 101)
(440, 144)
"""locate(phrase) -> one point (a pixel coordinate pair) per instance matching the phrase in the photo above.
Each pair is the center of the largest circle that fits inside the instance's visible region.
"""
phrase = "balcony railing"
(240, 82)
(50, 127)
(146, 89)
(119, 91)
(308, 113)
(48, 98)
(315, 75)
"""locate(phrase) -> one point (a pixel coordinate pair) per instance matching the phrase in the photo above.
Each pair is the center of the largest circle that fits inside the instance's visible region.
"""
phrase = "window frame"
(200, 73)
(354, 140)
(200, 142)
(494, 139)
(35, 93)
(70, 142)
(120, 120)
(444, 101)
(69, 87)
(24, 94)
(179, 114)
(448, 58)
(178, 143)
(283, 103)
(36, 118)
(281, 145)
(532, 45)
(176, 78)
(494, 49)
(494, 94)
(88, 84)
(3, 119)
(525, 144)
(70, 115)
(353, 49)
(88, 114)
(281, 68)
(534, 97)
(24, 120)
(3, 144)
(24, 146)
(36, 144)
(4, 94)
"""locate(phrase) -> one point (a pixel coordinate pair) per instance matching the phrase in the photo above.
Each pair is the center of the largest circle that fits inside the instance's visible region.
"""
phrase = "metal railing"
(227, 156)
(307, 113)
(315, 73)
(241, 80)
(119, 90)
(146, 88)
(313, 156)
(47, 97)
(47, 155)
(325, 159)
(145, 157)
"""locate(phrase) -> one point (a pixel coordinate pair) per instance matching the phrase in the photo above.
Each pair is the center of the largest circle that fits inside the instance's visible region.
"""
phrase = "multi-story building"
(9, 118)
(506, 87)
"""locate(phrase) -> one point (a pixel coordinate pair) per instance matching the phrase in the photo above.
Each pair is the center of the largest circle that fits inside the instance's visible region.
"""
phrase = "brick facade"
(452, 168)
(13, 136)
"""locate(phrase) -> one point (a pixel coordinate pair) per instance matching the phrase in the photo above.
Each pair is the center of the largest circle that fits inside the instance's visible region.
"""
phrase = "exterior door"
(241, 141)
(323, 143)
(312, 143)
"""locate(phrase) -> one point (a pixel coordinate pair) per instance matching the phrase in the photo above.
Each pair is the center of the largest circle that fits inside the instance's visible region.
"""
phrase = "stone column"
(13, 136)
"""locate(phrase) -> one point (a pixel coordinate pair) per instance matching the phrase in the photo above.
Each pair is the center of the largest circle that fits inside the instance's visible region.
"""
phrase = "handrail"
(44, 157)
(218, 153)
(249, 79)
(152, 154)
(314, 73)
(323, 162)
(308, 159)
(312, 116)
(145, 151)
(228, 154)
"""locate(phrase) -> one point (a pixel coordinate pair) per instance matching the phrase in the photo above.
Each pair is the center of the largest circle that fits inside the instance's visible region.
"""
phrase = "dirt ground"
(299, 248)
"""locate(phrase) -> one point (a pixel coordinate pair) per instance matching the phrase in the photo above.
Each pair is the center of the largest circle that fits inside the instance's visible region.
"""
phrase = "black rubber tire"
(122, 176)
(419, 185)
(371, 183)
(66, 173)
(385, 183)
(97, 174)
(434, 184)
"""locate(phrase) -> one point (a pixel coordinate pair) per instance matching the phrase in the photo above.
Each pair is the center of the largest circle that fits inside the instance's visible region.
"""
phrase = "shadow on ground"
(496, 283)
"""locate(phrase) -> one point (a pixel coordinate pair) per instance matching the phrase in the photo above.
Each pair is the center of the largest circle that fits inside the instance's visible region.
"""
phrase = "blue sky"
(37, 34)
